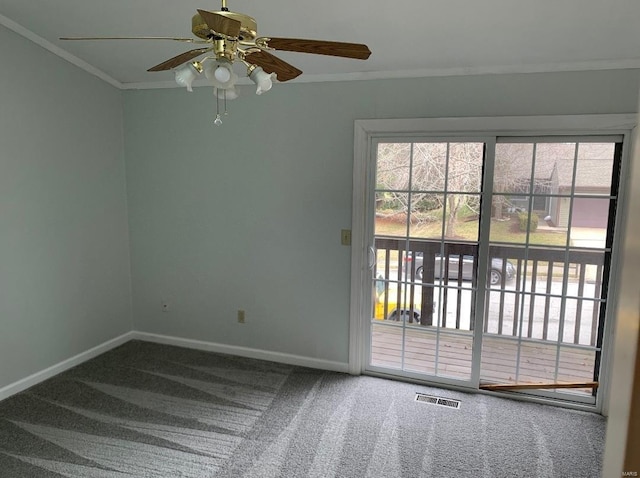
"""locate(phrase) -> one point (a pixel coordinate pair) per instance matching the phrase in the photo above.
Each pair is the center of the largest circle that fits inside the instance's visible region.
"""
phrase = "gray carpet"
(148, 410)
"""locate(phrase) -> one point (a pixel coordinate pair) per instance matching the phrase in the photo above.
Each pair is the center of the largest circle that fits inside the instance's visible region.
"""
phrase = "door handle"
(372, 257)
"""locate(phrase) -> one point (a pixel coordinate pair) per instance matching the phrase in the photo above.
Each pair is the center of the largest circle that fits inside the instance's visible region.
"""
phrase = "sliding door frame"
(366, 135)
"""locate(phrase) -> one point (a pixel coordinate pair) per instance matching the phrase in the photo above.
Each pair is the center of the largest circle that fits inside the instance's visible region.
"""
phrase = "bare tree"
(444, 177)
(464, 181)
(426, 182)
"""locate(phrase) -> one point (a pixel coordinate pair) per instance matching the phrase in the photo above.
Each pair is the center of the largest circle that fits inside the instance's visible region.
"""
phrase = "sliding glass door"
(489, 260)
(554, 203)
(426, 229)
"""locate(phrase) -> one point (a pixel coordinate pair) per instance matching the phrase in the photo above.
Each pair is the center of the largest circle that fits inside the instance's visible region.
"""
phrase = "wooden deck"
(499, 357)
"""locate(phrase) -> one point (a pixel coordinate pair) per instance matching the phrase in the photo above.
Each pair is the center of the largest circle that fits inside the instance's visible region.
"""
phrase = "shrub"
(524, 218)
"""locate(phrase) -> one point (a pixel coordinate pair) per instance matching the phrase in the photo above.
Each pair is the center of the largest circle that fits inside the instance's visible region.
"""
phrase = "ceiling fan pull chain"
(218, 120)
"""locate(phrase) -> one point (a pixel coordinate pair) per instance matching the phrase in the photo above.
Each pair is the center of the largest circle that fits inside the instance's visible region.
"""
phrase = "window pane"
(537, 363)
(502, 312)
(391, 214)
(454, 356)
(400, 301)
(386, 346)
(392, 169)
(594, 170)
(551, 152)
(553, 171)
(420, 351)
(426, 215)
(589, 219)
(576, 366)
(499, 359)
(513, 167)
(454, 304)
(596, 150)
(464, 172)
(462, 216)
(429, 166)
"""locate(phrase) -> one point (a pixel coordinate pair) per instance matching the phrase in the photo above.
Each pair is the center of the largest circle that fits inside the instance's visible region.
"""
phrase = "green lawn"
(501, 231)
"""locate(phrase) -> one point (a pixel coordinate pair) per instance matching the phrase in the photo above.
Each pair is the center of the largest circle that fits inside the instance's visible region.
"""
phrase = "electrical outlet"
(241, 316)
(165, 306)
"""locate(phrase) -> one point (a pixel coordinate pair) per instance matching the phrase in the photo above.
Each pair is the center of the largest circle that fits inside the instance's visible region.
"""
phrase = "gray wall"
(64, 258)
(247, 215)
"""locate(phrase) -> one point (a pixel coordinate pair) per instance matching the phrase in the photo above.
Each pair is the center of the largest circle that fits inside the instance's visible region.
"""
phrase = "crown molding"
(476, 71)
(56, 50)
(599, 65)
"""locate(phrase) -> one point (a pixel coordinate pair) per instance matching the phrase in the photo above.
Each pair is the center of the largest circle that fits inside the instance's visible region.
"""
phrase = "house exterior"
(554, 182)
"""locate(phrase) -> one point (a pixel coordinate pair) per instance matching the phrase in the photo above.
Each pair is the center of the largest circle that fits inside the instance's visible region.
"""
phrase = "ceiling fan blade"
(185, 40)
(220, 23)
(272, 64)
(321, 47)
(179, 60)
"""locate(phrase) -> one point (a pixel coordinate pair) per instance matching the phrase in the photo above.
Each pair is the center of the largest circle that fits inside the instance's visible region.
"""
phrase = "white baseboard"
(47, 373)
(279, 357)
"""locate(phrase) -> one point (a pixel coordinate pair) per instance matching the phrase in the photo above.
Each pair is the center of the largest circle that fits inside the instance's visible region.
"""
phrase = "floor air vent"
(443, 402)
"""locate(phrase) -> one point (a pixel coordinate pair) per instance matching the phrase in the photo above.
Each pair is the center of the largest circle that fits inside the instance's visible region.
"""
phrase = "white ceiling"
(407, 37)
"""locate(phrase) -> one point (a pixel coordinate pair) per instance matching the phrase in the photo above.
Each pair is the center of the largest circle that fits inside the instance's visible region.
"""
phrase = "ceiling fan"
(228, 37)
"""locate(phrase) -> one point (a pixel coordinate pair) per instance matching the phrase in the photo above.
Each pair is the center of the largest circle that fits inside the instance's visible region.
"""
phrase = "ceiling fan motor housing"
(248, 28)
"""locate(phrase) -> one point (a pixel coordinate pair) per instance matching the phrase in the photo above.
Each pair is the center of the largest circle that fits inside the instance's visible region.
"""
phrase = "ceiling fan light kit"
(185, 75)
(220, 74)
(231, 37)
(261, 78)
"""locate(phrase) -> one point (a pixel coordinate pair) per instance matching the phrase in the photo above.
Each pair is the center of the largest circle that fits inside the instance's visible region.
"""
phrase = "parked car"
(495, 273)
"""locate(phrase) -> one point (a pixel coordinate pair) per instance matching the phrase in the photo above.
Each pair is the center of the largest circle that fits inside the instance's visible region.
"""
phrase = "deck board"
(499, 356)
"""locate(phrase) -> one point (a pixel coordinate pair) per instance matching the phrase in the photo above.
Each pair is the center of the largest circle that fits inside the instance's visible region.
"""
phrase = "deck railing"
(541, 293)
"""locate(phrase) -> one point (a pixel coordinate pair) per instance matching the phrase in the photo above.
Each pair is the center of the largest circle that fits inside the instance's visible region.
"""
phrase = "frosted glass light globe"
(222, 74)
(262, 79)
(185, 76)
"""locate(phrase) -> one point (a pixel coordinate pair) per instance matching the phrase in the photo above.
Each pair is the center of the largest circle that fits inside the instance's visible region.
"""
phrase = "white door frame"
(366, 131)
